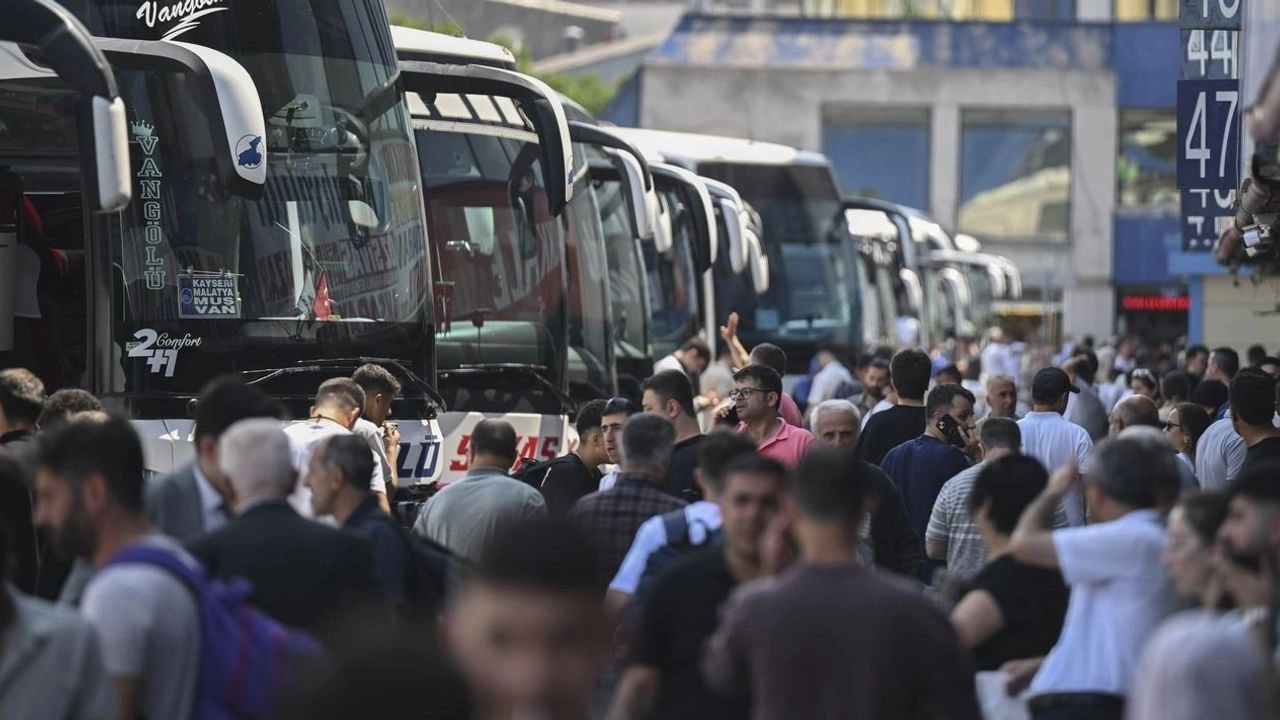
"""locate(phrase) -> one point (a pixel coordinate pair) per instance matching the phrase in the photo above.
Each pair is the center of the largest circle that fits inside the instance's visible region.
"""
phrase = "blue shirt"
(920, 468)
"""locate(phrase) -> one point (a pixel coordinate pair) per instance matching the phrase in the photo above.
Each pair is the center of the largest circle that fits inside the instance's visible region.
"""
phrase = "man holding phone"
(920, 467)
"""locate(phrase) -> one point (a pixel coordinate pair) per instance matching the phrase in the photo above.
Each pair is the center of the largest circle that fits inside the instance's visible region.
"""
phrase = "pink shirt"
(790, 412)
(787, 445)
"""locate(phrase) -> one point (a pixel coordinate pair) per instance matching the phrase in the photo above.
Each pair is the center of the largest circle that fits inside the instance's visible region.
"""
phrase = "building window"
(1015, 175)
(879, 152)
(1146, 9)
(990, 10)
(1146, 174)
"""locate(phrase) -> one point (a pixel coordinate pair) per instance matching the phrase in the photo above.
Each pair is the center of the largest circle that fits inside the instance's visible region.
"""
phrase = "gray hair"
(837, 405)
(257, 459)
(1132, 470)
(647, 442)
(352, 455)
(1002, 378)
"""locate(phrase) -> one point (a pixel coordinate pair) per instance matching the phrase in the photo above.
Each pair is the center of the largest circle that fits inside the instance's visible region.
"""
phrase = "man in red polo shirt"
(756, 391)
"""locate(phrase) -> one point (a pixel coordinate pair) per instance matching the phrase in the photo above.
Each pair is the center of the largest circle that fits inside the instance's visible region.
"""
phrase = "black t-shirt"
(1033, 602)
(888, 429)
(684, 459)
(682, 613)
(566, 481)
(1264, 452)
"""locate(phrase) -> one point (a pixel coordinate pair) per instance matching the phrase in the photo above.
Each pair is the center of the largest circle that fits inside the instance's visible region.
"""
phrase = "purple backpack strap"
(141, 554)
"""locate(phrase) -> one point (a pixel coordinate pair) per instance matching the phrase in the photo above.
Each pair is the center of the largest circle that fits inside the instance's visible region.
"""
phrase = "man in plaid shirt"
(612, 517)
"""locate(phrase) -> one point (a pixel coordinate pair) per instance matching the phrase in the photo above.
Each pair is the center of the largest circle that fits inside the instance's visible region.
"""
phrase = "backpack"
(247, 659)
(532, 473)
(679, 544)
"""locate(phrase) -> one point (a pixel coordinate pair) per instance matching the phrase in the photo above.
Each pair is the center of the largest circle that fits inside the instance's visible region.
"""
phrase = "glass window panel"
(1146, 167)
(880, 152)
(1015, 175)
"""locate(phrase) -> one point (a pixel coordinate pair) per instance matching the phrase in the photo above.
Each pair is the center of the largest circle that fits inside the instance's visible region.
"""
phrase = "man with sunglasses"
(612, 418)
(757, 391)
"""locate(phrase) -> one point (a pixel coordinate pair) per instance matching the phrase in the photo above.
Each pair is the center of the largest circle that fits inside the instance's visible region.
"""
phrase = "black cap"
(1052, 382)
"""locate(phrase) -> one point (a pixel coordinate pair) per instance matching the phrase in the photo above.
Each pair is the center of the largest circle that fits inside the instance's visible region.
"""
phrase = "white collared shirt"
(212, 506)
(1119, 596)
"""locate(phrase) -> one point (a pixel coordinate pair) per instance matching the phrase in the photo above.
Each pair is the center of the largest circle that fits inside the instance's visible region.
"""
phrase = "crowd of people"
(899, 537)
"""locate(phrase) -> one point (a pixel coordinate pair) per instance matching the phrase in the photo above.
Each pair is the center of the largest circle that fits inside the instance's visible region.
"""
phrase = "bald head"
(256, 458)
(1135, 410)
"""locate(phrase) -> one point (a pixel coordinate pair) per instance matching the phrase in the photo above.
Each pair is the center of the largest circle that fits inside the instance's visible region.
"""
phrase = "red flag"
(323, 305)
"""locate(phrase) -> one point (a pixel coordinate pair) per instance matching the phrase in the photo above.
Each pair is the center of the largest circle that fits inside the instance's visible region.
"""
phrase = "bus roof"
(689, 149)
(414, 44)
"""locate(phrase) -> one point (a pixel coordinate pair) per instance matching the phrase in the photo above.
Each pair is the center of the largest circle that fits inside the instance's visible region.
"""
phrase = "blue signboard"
(1210, 54)
(1209, 134)
(1204, 214)
(1222, 14)
(208, 296)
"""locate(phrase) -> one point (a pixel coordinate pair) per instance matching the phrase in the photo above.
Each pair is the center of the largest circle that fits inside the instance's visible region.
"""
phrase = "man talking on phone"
(921, 466)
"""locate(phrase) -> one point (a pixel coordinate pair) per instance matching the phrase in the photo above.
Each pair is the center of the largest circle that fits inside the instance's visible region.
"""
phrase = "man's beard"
(77, 538)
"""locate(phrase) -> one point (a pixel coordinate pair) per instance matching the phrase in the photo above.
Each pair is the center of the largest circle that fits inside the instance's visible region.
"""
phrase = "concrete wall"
(786, 106)
(1230, 312)
(539, 26)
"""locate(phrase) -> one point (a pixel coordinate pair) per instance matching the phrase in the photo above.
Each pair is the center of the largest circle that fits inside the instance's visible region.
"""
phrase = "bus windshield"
(591, 368)
(813, 292)
(332, 261)
(674, 303)
(499, 253)
(626, 268)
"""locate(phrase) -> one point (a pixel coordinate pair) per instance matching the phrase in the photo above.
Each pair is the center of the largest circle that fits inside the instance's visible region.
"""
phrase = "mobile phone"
(950, 429)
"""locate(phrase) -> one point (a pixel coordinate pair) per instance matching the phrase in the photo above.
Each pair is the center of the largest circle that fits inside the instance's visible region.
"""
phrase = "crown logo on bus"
(142, 128)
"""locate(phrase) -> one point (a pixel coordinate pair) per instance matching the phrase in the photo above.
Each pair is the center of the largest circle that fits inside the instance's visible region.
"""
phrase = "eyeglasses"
(738, 393)
(620, 405)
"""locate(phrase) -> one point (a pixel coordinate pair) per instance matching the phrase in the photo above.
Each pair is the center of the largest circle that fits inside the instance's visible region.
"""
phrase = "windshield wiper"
(435, 401)
(533, 372)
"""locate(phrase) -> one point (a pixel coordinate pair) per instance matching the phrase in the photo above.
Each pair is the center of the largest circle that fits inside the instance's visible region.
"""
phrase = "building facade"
(1052, 141)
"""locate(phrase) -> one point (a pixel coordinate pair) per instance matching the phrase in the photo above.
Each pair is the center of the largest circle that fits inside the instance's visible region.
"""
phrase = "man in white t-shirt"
(1052, 439)
(337, 407)
(1119, 590)
(89, 493)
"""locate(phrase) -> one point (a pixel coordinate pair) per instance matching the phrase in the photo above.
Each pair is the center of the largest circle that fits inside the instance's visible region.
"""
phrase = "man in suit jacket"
(192, 501)
(303, 573)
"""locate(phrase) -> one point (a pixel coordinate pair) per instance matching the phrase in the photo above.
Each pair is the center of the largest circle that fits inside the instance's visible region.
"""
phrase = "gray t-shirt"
(952, 524)
(1219, 455)
(466, 515)
(372, 434)
(150, 630)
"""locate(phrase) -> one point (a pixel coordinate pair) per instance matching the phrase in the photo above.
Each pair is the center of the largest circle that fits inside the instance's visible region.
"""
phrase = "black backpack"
(532, 473)
(679, 544)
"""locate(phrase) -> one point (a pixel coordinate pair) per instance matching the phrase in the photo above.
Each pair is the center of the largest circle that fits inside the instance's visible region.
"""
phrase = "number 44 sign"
(1208, 134)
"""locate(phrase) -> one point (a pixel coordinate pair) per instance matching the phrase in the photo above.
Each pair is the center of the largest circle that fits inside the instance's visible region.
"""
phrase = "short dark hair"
(718, 450)
(951, 370)
(941, 397)
(1205, 513)
(621, 405)
(1002, 433)
(1010, 483)
(879, 363)
(770, 355)
(374, 378)
(1210, 392)
(350, 454)
(829, 485)
(753, 463)
(109, 448)
(1194, 350)
(1087, 369)
(226, 400)
(697, 345)
(909, 371)
(1253, 397)
(496, 438)
(588, 418)
(672, 385)
(765, 377)
(1175, 386)
(543, 553)
(647, 441)
(21, 394)
(65, 403)
(1258, 482)
(1255, 354)
(1227, 360)
(342, 390)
